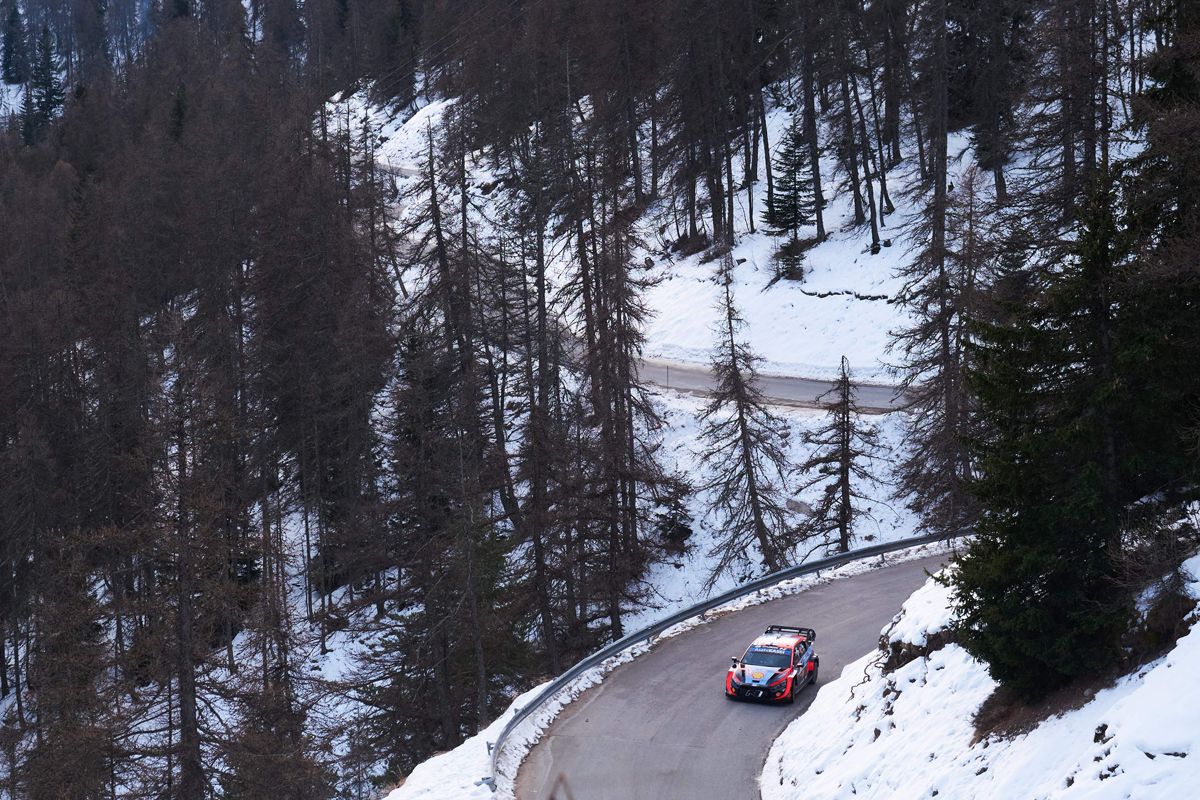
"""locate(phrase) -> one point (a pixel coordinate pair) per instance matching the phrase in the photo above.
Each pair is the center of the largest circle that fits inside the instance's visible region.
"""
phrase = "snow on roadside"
(924, 613)
(909, 734)
(457, 773)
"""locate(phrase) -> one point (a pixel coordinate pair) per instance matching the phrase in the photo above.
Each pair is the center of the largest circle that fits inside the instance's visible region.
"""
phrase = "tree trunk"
(191, 766)
(766, 148)
(814, 151)
(848, 148)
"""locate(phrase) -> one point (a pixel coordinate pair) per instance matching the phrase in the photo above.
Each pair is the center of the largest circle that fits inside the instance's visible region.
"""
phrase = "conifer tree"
(66, 667)
(1037, 590)
(48, 95)
(943, 294)
(271, 752)
(791, 206)
(14, 67)
(29, 118)
(840, 463)
(1163, 302)
(745, 460)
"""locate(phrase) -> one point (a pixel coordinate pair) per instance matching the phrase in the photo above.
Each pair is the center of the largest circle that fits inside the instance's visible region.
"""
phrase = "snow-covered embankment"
(909, 733)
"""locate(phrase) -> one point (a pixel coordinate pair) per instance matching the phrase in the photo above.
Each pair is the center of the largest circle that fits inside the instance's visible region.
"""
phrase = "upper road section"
(777, 389)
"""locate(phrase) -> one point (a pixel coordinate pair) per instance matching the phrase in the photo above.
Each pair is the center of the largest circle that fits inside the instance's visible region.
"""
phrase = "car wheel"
(792, 693)
(816, 669)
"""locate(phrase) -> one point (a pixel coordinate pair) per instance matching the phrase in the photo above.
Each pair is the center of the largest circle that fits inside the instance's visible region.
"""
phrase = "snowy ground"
(844, 305)
(908, 734)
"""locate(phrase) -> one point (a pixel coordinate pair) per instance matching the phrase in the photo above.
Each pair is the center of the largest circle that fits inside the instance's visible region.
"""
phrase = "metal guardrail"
(649, 632)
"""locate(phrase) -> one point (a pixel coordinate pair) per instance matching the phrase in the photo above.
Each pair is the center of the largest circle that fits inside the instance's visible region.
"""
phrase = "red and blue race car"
(775, 667)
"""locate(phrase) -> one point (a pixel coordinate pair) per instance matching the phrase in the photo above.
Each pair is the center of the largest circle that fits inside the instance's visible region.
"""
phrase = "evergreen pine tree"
(1037, 590)
(14, 66)
(744, 458)
(1162, 307)
(791, 205)
(272, 755)
(29, 118)
(48, 95)
(843, 449)
(67, 667)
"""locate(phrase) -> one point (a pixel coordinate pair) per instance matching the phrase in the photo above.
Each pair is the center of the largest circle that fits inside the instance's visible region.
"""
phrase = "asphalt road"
(778, 389)
(660, 727)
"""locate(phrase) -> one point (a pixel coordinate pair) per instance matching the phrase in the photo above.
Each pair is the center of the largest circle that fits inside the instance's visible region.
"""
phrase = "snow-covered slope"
(798, 332)
(10, 100)
(844, 306)
(908, 734)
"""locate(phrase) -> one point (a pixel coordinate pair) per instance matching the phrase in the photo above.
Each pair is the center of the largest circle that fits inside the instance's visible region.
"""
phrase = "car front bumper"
(761, 693)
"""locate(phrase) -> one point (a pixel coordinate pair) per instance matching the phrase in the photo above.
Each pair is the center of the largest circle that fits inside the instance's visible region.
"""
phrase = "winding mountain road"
(660, 728)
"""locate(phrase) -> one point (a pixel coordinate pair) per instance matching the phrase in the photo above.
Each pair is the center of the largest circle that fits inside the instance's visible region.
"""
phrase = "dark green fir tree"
(791, 206)
(1037, 590)
(30, 126)
(14, 61)
(48, 95)
(1162, 309)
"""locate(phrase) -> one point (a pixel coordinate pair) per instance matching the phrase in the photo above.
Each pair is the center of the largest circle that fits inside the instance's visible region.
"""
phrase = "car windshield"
(768, 656)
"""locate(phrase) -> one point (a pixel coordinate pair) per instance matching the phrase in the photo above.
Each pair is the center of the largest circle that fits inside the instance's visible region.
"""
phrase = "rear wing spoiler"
(807, 633)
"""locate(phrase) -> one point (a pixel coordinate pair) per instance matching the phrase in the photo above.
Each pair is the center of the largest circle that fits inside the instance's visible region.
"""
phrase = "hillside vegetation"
(308, 464)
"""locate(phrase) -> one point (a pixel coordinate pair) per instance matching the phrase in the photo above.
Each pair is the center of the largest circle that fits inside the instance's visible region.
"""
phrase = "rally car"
(775, 667)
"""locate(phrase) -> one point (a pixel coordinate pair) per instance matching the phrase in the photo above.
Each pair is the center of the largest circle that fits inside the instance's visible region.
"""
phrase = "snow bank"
(908, 734)
(923, 614)
(457, 773)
